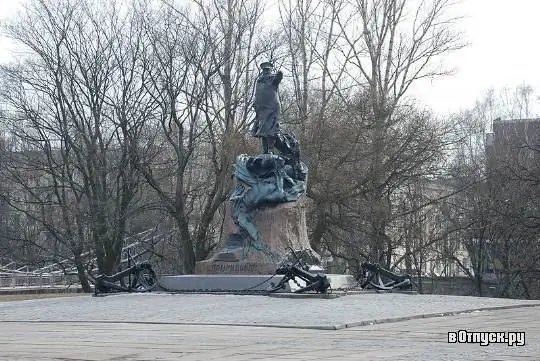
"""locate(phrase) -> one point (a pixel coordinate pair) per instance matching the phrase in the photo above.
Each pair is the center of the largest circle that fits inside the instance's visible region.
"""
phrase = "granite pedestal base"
(280, 227)
(231, 282)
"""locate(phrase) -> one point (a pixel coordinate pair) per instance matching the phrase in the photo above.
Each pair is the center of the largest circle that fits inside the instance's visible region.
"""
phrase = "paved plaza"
(140, 327)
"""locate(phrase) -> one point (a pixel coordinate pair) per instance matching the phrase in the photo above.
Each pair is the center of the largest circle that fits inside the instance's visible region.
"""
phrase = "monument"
(265, 222)
(266, 210)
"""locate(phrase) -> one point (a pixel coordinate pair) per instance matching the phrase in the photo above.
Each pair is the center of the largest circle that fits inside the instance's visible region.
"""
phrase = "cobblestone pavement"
(45, 329)
(250, 310)
(418, 340)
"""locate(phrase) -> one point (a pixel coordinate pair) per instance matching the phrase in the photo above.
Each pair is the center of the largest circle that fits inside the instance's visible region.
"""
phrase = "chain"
(296, 282)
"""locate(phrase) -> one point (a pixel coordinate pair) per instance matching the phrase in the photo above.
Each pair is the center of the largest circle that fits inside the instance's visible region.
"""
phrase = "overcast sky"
(504, 51)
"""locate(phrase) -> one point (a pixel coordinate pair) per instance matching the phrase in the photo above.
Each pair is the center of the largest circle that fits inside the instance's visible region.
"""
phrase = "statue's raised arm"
(278, 78)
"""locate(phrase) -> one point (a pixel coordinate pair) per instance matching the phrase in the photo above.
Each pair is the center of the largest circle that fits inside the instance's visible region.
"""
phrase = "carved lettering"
(234, 267)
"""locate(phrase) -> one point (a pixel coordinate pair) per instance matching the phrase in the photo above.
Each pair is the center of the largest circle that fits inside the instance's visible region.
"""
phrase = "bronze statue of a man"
(267, 106)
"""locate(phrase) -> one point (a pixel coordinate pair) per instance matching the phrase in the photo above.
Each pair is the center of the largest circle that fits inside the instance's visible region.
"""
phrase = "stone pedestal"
(280, 227)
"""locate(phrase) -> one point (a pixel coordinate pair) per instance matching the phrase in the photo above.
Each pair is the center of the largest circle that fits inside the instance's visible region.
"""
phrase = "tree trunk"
(318, 229)
(81, 273)
(188, 253)
(389, 251)
(420, 284)
(478, 284)
(408, 260)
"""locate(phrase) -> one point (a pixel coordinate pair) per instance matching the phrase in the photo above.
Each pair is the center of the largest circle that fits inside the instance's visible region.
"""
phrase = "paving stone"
(417, 339)
(232, 309)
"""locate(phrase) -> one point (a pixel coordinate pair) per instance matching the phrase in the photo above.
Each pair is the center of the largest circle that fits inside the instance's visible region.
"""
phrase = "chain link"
(296, 282)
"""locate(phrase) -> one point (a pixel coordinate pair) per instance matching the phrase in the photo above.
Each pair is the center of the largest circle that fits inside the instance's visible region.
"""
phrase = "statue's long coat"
(267, 105)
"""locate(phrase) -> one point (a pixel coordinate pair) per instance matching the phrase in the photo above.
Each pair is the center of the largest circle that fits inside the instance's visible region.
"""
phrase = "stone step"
(222, 282)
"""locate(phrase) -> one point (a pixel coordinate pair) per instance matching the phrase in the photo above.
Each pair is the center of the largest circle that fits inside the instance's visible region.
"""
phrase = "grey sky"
(503, 52)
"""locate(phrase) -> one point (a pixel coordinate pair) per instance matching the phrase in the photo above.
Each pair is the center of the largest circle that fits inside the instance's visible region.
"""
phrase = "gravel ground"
(235, 309)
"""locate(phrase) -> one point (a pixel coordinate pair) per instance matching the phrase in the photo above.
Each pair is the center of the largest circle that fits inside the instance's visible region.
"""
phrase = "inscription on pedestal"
(253, 266)
(234, 268)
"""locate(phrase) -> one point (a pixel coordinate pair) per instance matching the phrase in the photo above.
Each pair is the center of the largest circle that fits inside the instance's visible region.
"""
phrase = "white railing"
(13, 275)
(18, 280)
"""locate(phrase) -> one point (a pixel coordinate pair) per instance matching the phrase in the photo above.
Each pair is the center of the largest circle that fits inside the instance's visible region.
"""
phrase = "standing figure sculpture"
(263, 183)
(267, 106)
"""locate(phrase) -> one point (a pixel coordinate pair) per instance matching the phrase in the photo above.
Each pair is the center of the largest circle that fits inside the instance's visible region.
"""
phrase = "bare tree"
(74, 104)
(394, 44)
(312, 60)
(164, 92)
(203, 59)
(498, 204)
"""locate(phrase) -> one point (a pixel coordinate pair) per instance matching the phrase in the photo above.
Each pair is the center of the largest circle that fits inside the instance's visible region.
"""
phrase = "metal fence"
(22, 280)
(15, 275)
